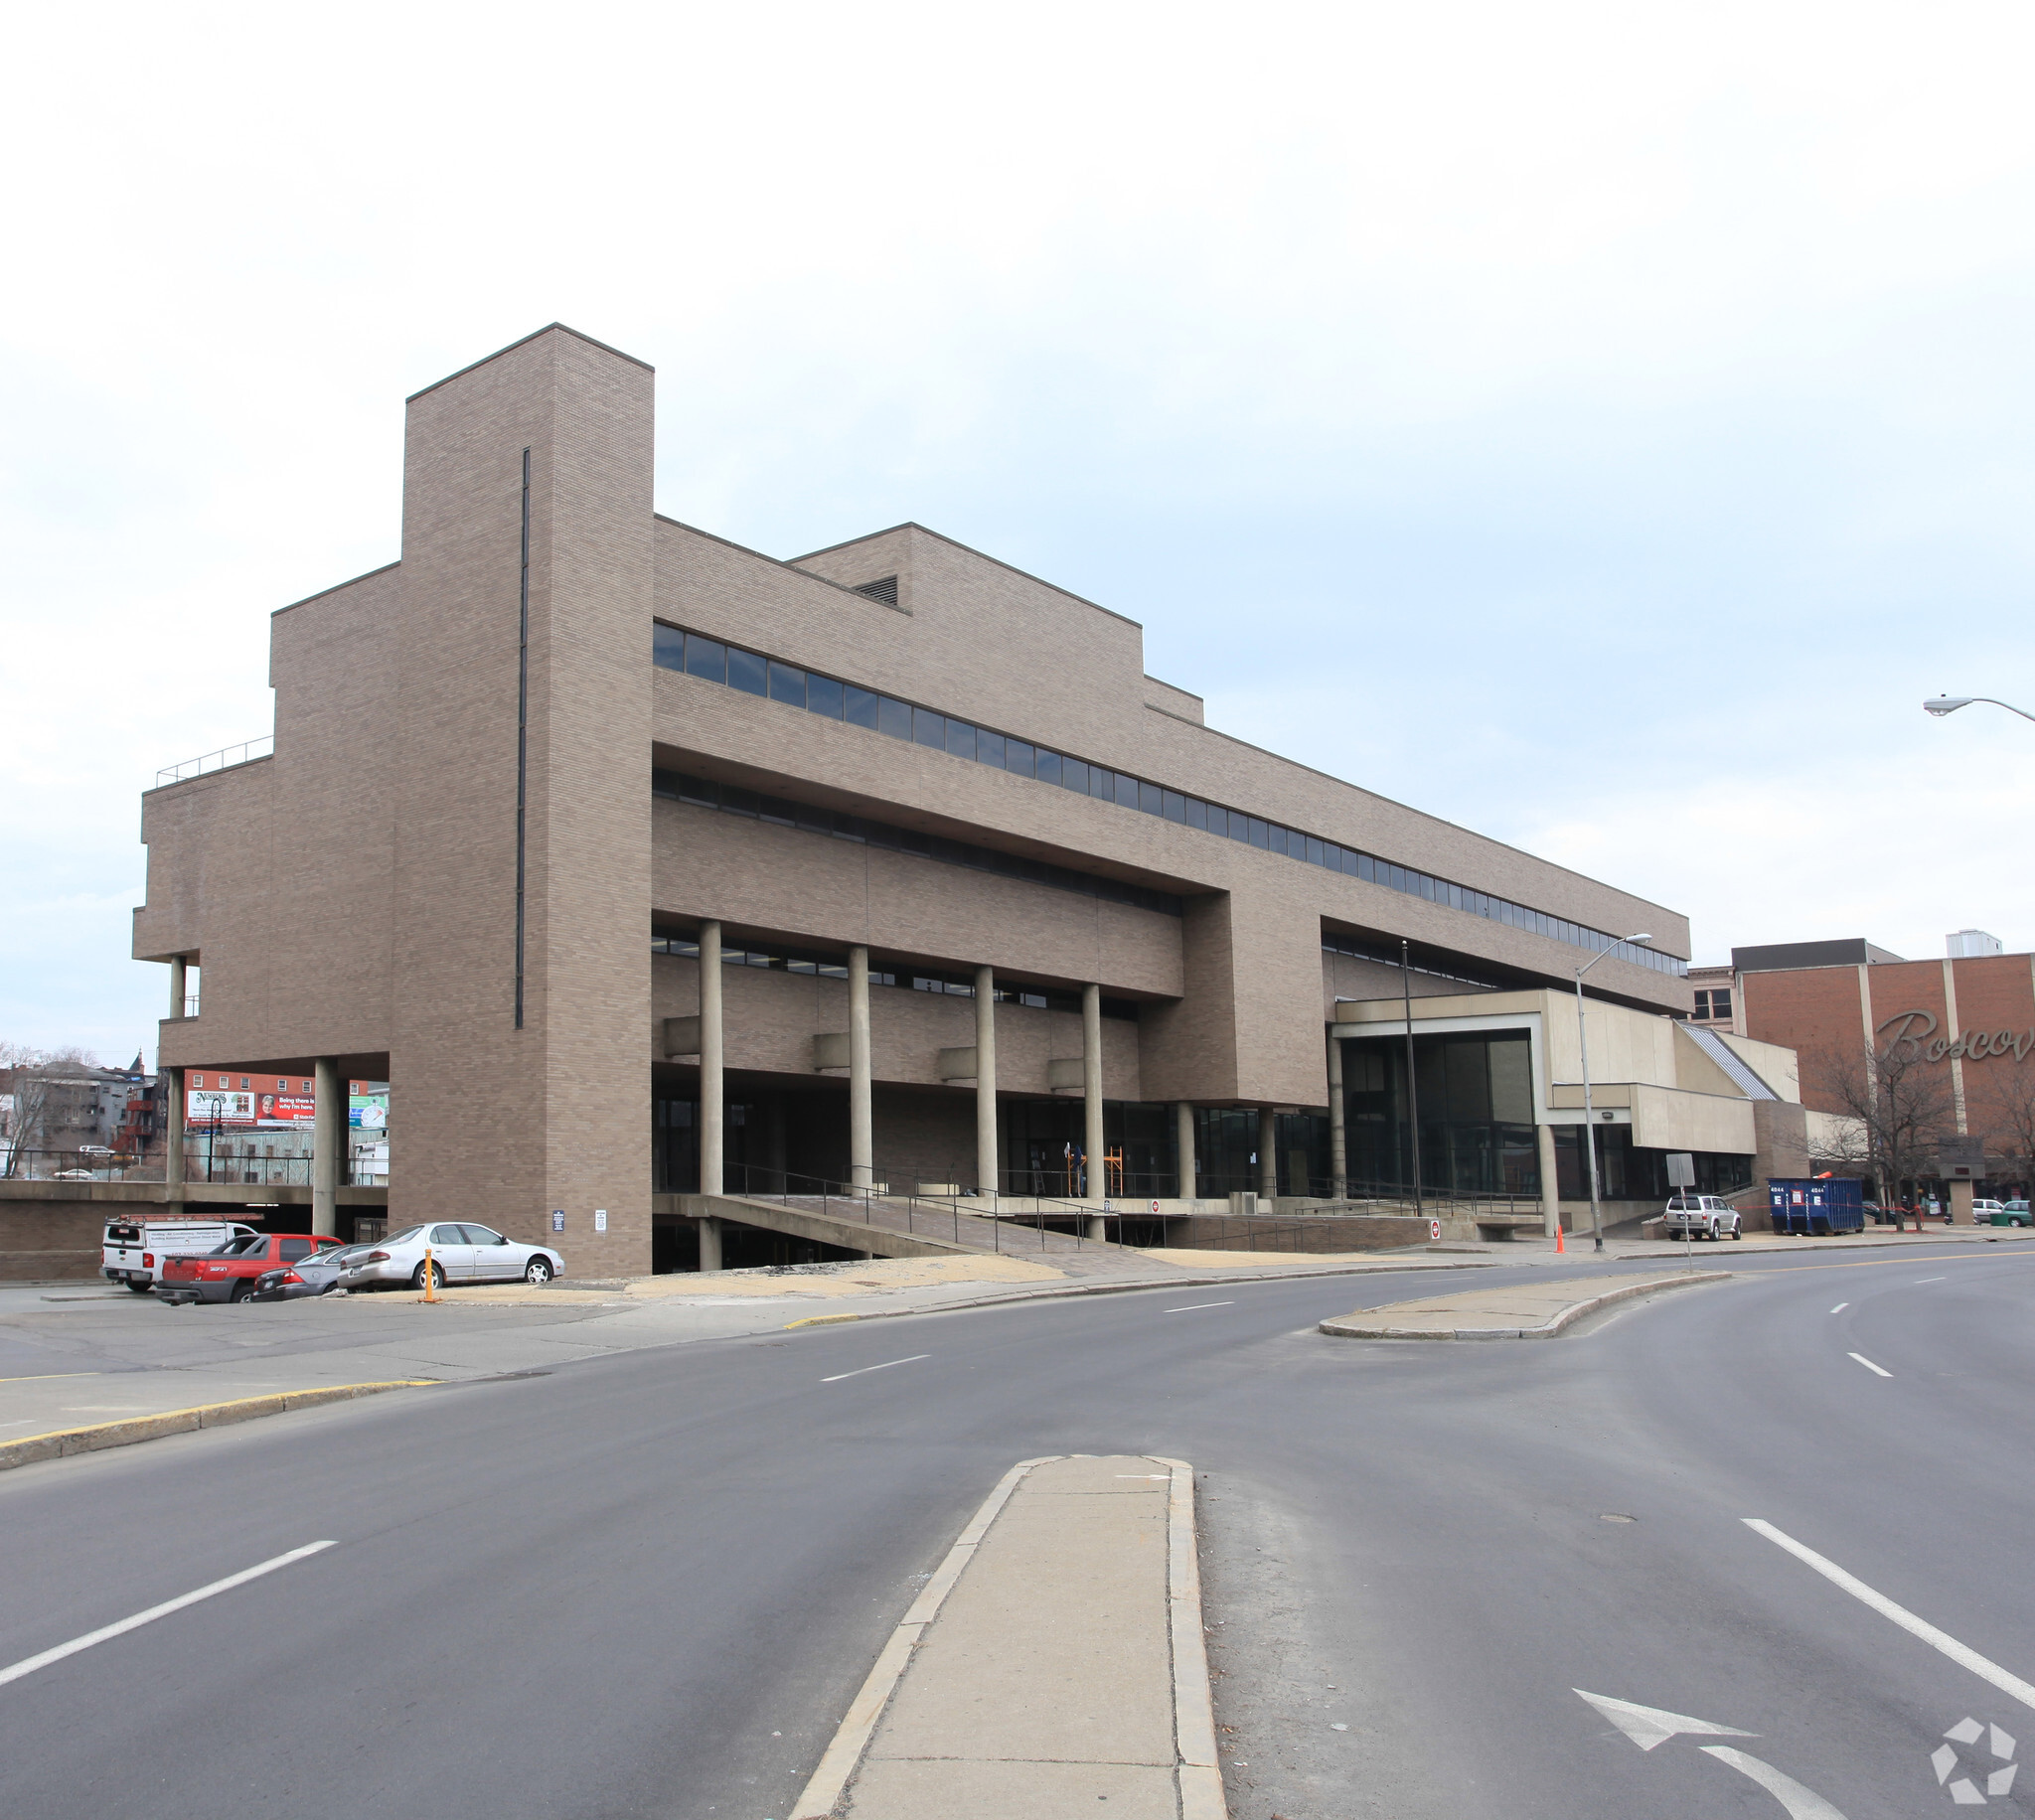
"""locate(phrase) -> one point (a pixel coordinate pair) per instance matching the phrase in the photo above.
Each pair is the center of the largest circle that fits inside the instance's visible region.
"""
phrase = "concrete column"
(713, 1123)
(173, 1136)
(1184, 1148)
(328, 1139)
(710, 1244)
(1962, 1196)
(861, 1139)
(1268, 1156)
(1338, 1137)
(1091, 1096)
(178, 989)
(1550, 1181)
(986, 1080)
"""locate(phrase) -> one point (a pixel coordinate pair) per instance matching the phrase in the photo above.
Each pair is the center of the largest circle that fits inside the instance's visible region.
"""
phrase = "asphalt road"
(645, 1585)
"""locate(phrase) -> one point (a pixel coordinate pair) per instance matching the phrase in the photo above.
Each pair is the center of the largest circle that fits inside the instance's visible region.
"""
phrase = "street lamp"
(1939, 705)
(1589, 1111)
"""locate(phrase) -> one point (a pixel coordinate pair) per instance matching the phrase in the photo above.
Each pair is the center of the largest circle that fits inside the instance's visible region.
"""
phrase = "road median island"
(1054, 1662)
(58, 1444)
(1525, 1312)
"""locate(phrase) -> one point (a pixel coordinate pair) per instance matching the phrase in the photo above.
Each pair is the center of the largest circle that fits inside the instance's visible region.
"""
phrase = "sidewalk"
(1525, 1312)
(1054, 1663)
(82, 1355)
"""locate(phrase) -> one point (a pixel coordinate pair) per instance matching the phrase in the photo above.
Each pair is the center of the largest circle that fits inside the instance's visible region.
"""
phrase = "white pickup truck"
(1701, 1216)
(133, 1251)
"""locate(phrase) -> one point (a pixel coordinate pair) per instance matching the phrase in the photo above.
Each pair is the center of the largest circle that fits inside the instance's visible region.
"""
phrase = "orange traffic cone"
(1561, 1249)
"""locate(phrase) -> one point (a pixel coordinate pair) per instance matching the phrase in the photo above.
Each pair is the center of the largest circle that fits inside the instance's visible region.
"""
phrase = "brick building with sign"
(1969, 1015)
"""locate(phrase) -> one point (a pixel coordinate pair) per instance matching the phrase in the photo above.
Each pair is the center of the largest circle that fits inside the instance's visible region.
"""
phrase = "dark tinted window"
(1316, 854)
(862, 706)
(294, 1249)
(746, 670)
(1126, 791)
(1018, 757)
(705, 658)
(481, 1235)
(668, 647)
(823, 695)
(1074, 774)
(1048, 764)
(1197, 813)
(787, 685)
(1174, 806)
(988, 747)
(447, 1235)
(928, 728)
(960, 740)
(894, 718)
(1278, 833)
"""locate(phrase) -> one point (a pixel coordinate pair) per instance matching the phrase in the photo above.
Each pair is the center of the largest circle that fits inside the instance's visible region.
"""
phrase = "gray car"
(459, 1254)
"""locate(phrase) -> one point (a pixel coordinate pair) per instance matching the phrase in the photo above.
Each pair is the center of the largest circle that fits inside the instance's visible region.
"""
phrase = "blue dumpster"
(1808, 1207)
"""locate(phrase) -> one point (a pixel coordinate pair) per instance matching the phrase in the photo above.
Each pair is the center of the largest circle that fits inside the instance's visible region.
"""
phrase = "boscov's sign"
(1918, 1031)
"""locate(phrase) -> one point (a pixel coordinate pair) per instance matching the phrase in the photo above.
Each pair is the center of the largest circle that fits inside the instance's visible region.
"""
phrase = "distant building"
(1716, 999)
(1968, 944)
(1972, 1015)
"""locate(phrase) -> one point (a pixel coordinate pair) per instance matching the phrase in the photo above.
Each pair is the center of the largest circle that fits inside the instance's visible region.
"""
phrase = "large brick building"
(987, 899)
(1970, 1015)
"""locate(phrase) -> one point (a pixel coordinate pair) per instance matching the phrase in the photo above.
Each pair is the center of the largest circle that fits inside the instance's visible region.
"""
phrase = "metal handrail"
(224, 759)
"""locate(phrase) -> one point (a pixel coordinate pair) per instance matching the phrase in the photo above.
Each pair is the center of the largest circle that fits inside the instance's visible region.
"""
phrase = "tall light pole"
(1939, 705)
(1589, 1111)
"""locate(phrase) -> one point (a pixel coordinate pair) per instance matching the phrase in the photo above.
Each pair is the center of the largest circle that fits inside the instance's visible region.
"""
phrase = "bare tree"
(1900, 1107)
(2005, 1102)
(29, 1078)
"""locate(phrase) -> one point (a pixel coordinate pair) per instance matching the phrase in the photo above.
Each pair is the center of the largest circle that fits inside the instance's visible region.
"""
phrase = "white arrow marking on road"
(108, 1631)
(1868, 1364)
(1959, 1653)
(1648, 1725)
(1802, 1803)
(1840, 1307)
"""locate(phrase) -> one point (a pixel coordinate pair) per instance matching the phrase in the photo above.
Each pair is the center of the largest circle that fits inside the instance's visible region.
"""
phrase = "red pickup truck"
(227, 1273)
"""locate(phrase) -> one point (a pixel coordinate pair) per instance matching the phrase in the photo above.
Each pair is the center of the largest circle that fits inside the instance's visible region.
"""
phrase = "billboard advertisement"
(207, 1106)
(368, 1112)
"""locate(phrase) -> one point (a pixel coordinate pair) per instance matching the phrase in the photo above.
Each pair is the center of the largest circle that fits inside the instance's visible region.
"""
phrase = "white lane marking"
(1868, 1364)
(32, 1663)
(1957, 1652)
(1649, 1725)
(885, 1366)
(1921, 1279)
(1802, 1803)
(1840, 1307)
(1192, 1306)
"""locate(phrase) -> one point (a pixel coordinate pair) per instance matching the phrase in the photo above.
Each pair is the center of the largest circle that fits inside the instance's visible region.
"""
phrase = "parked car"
(317, 1274)
(459, 1254)
(134, 1251)
(2001, 1213)
(229, 1273)
(1701, 1216)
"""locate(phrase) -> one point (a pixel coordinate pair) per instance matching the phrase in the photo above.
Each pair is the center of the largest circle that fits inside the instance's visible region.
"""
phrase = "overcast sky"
(1600, 425)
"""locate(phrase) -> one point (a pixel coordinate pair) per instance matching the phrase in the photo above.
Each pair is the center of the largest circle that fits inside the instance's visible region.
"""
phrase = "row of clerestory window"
(917, 979)
(715, 661)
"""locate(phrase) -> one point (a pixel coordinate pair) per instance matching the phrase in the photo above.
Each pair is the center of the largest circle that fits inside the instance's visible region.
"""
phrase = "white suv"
(1701, 1216)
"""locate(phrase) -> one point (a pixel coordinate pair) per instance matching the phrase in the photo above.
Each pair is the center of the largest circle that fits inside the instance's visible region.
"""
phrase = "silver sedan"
(459, 1254)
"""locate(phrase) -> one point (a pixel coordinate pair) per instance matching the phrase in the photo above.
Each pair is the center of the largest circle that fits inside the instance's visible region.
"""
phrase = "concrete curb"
(1198, 1775)
(1349, 1329)
(61, 1443)
(829, 1782)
